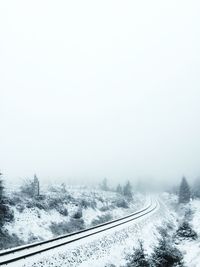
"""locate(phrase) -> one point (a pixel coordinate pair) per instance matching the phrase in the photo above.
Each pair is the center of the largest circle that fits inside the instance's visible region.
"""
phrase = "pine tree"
(138, 258)
(104, 185)
(3, 209)
(184, 191)
(185, 231)
(119, 189)
(127, 190)
(165, 253)
(27, 187)
(63, 188)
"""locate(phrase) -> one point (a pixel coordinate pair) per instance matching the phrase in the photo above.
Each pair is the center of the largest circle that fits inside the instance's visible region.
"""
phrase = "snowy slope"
(58, 213)
(189, 248)
(93, 247)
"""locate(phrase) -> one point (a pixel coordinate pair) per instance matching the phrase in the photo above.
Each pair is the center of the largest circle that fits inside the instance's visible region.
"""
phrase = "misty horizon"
(100, 90)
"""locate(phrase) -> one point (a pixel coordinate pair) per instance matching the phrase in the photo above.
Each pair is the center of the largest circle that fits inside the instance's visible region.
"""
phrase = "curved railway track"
(12, 256)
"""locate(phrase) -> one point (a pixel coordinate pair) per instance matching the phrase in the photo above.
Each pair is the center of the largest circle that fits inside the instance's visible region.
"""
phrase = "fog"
(91, 89)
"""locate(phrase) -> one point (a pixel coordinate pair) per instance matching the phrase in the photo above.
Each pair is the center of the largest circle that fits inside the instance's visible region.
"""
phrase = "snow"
(195, 206)
(113, 247)
(89, 245)
(33, 224)
(189, 248)
(191, 251)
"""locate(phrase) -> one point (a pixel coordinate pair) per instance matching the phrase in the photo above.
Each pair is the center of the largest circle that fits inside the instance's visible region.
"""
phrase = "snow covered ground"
(144, 229)
(99, 248)
(57, 213)
(96, 237)
(33, 222)
(189, 248)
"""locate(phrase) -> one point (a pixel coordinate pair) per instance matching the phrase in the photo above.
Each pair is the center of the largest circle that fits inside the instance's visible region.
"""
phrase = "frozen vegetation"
(59, 210)
(168, 237)
(187, 228)
(175, 240)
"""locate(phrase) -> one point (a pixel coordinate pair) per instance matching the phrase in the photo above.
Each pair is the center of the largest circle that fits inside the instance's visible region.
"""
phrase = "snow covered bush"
(122, 203)
(78, 214)
(102, 219)
(166, 254)
(73, 225)
(139, 258)
(6, 215)
(9, 240)
(88, 204)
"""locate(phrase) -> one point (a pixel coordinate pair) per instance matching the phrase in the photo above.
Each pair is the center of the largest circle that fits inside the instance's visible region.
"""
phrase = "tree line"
(125, 190)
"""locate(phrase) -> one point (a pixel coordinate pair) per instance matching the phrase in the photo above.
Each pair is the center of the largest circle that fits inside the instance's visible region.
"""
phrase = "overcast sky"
(90, 89)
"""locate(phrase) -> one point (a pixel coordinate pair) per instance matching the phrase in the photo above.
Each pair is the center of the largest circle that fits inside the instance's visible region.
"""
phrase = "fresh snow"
(33, 224)
(189, 248)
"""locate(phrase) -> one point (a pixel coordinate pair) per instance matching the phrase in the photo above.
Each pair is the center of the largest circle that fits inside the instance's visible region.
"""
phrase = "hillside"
(59, 211)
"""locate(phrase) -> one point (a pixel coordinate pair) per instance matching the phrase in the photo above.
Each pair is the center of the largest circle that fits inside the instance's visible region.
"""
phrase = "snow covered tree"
(184, 191)
(196, 188)
(31, 188)
(5, 214)
(119, 189)
(27, 187)
(104, 185)
(63, 188)
(185, 231)
(127, 190)
(165, 253)
(138, 258)
(36, 186)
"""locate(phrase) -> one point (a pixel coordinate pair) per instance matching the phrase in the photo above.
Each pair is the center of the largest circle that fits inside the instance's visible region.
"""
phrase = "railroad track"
(18, 255)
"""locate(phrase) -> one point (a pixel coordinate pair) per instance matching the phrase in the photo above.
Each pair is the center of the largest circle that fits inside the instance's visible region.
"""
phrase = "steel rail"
(69, 235)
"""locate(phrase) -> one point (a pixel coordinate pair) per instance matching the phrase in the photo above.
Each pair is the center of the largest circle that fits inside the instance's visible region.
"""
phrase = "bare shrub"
(67, 227)
(9, 241)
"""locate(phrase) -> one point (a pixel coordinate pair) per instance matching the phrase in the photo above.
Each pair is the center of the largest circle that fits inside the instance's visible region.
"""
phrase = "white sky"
(100, 88)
